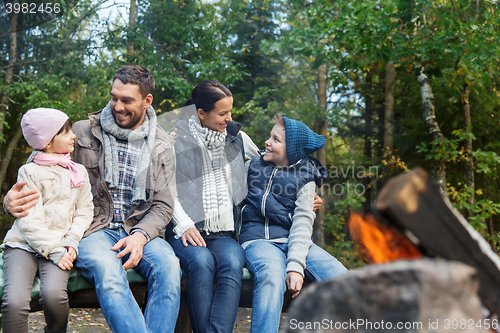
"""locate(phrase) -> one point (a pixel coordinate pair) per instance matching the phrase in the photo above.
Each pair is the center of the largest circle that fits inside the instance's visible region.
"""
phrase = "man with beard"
(130, 164)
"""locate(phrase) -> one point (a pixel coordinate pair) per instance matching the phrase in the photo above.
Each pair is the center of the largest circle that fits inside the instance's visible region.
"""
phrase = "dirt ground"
(92, 321)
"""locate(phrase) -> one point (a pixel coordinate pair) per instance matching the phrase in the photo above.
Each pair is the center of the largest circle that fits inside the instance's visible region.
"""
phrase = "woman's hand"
(317, 202)
(294, 282)
(194, 237)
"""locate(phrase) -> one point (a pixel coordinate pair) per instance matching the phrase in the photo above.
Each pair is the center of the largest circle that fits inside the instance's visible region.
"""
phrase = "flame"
(380, 243)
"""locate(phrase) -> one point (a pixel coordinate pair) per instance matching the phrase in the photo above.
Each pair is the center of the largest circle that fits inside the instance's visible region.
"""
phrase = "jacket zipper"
(263, 205)
(266, 229)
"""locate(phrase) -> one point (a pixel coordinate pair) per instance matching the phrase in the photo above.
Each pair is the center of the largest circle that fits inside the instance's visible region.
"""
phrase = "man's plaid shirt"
(128, 160)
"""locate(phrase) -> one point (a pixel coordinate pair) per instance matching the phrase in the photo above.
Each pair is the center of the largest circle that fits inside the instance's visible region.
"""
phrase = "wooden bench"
(82, 294)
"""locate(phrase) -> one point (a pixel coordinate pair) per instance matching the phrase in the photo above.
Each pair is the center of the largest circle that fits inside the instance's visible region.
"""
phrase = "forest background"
(392, 84)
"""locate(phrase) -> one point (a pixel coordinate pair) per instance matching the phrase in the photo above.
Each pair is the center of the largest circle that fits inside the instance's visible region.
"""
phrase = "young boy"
(278, 220)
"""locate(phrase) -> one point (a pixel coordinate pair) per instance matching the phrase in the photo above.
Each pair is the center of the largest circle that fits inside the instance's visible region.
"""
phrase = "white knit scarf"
(215, 194)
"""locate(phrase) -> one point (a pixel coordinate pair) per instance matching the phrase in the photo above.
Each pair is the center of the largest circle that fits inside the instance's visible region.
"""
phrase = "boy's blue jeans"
(158, 265)
(267, 262)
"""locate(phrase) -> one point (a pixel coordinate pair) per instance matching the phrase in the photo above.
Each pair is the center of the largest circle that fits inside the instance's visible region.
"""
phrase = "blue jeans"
(158, 265)
(267, 262)
(221, 262)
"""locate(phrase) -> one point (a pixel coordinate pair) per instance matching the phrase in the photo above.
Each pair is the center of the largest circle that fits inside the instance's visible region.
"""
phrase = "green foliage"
(269, 53)
(342, 247)
(478, 211)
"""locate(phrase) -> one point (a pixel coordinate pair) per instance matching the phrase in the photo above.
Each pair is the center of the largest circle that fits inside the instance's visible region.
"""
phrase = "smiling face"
(276, 147)
(218, 118)
(62, 143)
(128, 105)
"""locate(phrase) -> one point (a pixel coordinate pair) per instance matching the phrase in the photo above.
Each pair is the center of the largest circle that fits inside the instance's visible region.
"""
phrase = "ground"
(92, 321)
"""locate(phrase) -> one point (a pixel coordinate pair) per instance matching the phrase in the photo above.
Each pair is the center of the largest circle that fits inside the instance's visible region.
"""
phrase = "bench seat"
(82, 294)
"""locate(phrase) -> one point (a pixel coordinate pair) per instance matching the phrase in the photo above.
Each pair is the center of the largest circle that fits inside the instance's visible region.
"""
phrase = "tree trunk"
(8, 155)
(10, 70)
(319, 230)
(369, 108)
(469, 163)
(491, 231)
(390, 79)
(131, 25)
(439, 166)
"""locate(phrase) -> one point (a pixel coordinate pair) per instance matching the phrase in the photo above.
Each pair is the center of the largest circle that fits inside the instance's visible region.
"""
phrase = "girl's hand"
(71, 252)
(66, 263)
(194, 237)
(294, 282)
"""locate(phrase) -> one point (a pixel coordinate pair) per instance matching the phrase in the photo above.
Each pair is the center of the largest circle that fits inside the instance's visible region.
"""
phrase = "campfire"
(431, 272)
(381, 242)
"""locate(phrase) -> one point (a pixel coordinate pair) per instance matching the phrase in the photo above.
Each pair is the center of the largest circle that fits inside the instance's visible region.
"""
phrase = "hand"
(194, 237)
(294, 282)
(133, 244)
(18, 202)
(65, 263)
(71, 252)
(317, 202)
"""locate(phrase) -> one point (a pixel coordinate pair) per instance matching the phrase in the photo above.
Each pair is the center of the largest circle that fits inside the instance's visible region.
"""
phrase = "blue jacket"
(272, 192)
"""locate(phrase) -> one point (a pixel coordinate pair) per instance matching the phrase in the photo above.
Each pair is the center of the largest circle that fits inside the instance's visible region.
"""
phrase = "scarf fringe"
(217, 221)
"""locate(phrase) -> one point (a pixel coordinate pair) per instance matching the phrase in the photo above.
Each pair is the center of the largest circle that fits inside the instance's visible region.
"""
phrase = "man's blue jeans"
(267, 262)
(221, 262)
(158, 265)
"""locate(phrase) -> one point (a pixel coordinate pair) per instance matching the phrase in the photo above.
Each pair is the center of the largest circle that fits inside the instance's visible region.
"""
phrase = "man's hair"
(136, 74)
(278, 120)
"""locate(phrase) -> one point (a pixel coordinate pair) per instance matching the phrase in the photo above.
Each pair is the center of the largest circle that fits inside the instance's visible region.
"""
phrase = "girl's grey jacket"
(152, 215)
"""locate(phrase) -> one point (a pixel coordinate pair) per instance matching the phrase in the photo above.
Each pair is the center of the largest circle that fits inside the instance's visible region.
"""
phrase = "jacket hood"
(318, 170)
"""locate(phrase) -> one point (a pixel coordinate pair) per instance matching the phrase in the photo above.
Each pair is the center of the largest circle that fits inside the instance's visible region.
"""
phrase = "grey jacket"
(189, 175)
(150, 216)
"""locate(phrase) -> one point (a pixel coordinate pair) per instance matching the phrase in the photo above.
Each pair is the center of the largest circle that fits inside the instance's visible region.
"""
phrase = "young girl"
(47, 239)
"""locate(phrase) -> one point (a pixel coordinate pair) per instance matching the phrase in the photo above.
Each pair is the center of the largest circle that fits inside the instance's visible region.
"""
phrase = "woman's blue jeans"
(220, 263)
(267, 262)
(158, 265)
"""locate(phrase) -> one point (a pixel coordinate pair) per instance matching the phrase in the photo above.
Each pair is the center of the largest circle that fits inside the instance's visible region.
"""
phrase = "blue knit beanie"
(300, 140)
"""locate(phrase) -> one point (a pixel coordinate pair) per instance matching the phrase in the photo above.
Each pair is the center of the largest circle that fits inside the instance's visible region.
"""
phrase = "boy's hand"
(317, 202)
(294, 282)
(194, 237)
(18, 202)
(66, 263)
(71, 252)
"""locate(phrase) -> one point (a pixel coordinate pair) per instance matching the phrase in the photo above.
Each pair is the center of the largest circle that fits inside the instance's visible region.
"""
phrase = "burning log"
(418, 295)
(413, 204)
(381, 242)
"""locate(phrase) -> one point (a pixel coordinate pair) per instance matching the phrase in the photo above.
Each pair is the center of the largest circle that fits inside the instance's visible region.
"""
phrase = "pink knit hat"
(41, 125)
